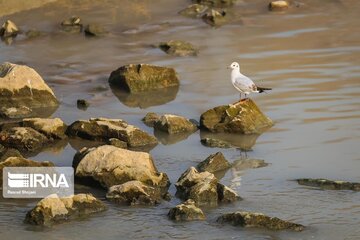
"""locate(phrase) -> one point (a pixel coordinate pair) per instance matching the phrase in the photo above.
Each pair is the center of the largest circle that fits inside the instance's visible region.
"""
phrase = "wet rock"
(150, 119)
(213, 163)
(33, 33)
(25, 139)
(82, 104)
(143, 77)
(179, 48)
(17, 161)
(194, 10)
(212, 142)
(52, 210)
(73, 25)
(15, 112)
(117, 143)
(328, 184)
(186, 211)
(111, 166)
(203, 188)
(242, 117)
(23, 86)
(215, 18)
(216, 3)
(278, 5)
(248, 219)
(146, 99)
(52, 128)
(95, 30)
(102, 129)
(8, 29)
(134, 193)
(226, 194)
(173, 124)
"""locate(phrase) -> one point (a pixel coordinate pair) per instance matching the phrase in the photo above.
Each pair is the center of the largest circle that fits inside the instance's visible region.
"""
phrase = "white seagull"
(242, 83)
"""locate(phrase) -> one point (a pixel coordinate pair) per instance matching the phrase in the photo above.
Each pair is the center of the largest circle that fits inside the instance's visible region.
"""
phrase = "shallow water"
(309, 55)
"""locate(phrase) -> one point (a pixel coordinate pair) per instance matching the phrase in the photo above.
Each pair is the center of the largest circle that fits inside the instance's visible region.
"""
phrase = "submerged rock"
(278, 5)
(72, 24)
(8, 30)
(95, 30)
(203, 188)
(179, 48)
(23, 86)
(33, 33)
(111, 166)
(134, 193)
(328, 184)
(216, 3)
(173, 124)
(248, 219)
(194, 10)
(18, 161)
(143, 77)
(15, 112)
(213, 163)
(102, 129)
(52, 210)
(243, 164)
(82, 104)
(215, 18)
(150, 119)
(186, 211)
(242, 117)
(212, 142)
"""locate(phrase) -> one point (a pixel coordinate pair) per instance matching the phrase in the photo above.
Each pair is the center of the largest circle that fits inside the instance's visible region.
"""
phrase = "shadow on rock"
(241, 141)
(146, 99)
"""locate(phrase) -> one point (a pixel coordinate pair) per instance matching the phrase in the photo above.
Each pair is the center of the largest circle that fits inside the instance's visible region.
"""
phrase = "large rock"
(21, 162)
(8, 29)
(111, 166)
(173, 124)
(242, 117)
(186, 211)
(179, 48)
(143, 77)
(103, 129)
(329, 184)
(23, 86)
(52, 210)
(213, 163)
(134, 193)
(53, 128)
(203, 188)
(248, 219)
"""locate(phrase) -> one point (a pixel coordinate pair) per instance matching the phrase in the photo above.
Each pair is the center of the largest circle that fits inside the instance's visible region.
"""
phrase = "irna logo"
(33, 180)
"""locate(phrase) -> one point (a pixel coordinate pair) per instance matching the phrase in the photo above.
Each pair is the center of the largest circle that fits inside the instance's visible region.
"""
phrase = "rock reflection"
(146, 99)
(168, 139)
(241, 141)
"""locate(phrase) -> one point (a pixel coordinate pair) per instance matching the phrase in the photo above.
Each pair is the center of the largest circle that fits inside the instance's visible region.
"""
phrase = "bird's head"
(234, 65)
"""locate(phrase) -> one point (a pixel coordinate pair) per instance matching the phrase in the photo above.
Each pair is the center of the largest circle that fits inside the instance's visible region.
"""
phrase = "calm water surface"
(309, 55)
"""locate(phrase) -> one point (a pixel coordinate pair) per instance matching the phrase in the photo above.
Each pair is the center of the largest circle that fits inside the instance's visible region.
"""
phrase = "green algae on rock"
(187, 211)
(143, 77)
(53, 210)
(242, 117)
(102, 129)
(329, 184)
(249, 219)
(179, 48)
(22, 86)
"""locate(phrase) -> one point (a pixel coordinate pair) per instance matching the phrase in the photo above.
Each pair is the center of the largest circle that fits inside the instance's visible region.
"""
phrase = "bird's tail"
(263, 89)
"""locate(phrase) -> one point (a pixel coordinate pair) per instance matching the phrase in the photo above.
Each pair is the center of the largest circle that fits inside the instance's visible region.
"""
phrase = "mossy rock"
(179, 48)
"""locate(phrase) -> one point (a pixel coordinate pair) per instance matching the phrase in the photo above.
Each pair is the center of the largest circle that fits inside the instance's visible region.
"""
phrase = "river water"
(309, 55)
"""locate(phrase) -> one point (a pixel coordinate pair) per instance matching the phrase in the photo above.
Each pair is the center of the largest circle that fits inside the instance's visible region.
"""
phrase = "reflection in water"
(239, 167)
(55, 148)
(241, 141)
(168, 139)
(146, 99)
